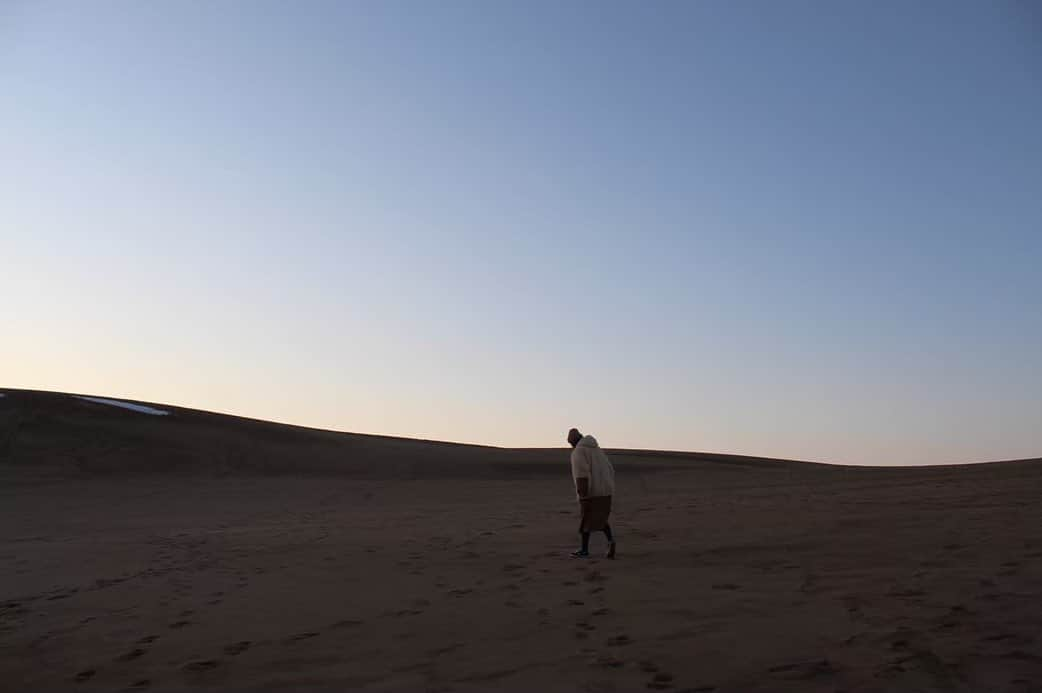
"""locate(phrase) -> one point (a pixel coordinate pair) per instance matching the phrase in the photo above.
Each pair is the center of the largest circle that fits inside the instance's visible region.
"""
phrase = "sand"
(441, 572)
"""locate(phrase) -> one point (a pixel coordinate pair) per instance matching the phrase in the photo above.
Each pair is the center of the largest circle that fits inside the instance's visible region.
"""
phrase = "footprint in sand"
(1009, 568)
(300, 636)
(853, 605)
(661, 681)
(583, 629)
(85, 675)
(608, 662)
(138, 685)
(201, 665)
(403, 612)
(128, 656)
(619, 641)
(237, 648)
(804, 670)
(180, 624)
(148, 640)
(346, 623)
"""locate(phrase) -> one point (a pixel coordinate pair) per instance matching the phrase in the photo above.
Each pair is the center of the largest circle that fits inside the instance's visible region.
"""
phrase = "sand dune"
(207, 552)
(53, 435)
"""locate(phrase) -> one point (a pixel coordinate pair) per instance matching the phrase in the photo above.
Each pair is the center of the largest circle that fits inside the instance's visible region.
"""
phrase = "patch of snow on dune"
(126, 405)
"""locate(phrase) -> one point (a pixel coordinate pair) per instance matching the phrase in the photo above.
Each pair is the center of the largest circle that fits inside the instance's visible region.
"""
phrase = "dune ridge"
(54, 435)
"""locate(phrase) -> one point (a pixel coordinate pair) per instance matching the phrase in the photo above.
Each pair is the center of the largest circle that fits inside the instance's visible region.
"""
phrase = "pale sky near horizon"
(798, 229)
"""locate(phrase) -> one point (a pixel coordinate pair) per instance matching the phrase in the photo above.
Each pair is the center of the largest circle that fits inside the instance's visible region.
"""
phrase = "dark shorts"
(595, 512)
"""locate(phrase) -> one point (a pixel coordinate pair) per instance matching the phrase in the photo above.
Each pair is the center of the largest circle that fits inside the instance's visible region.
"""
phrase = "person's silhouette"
(594, 485)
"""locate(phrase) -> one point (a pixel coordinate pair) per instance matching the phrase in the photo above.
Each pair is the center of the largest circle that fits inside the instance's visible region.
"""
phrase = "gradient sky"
(798, 229)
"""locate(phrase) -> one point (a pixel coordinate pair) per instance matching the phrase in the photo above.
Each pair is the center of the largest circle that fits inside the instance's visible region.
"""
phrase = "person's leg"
(585, 550)
(611, 542)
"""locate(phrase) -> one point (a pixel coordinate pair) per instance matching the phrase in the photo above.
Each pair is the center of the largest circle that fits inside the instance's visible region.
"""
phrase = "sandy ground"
(733, 580)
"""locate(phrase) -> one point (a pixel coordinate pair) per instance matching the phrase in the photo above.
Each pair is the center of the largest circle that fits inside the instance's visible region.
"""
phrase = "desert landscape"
(158, 548)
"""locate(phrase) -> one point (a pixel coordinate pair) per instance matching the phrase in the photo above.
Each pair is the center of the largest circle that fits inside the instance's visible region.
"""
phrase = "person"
(594, 485)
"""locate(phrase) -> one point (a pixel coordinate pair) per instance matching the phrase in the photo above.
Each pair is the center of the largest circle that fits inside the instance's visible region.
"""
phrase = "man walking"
(594, 484)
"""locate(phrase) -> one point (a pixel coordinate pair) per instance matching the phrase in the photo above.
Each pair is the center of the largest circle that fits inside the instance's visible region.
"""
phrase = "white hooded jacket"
(590, 462)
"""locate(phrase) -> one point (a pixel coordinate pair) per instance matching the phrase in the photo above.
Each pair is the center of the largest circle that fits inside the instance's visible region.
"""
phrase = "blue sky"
(800, 229)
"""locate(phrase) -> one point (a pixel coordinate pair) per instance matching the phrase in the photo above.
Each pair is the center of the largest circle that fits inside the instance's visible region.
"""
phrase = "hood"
(587, 442)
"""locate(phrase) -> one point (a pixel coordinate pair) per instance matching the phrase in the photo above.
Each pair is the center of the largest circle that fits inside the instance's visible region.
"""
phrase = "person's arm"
(582, 487)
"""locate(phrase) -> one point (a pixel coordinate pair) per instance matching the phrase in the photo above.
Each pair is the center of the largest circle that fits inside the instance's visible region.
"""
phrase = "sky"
(797, 229)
